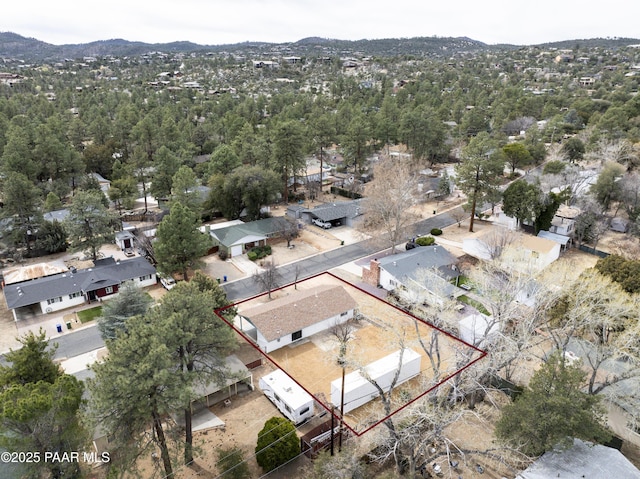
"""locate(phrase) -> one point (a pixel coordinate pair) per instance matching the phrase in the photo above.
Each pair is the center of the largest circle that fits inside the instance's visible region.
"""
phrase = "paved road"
(247, 287)
(88, 339)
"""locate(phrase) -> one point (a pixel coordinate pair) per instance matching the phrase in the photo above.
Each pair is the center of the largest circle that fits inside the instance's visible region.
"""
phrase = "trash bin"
(68, 324)
(224, 279)
(59, 327)
(218, 279)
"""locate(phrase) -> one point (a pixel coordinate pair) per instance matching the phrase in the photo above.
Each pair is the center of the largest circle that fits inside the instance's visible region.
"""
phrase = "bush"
(436, 231)
(425, 240)
(231, 463)
(277, 444)
(259, 252)
(554, 167)
(222, 254)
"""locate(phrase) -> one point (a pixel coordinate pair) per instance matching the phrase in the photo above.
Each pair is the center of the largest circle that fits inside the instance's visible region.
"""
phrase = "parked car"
(167, 281)
(322, 224)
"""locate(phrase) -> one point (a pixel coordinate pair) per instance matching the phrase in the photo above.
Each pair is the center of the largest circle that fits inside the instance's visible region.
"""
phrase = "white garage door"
(236, 250)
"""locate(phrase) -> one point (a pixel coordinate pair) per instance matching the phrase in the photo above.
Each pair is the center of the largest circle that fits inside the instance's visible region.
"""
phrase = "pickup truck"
(322, 224)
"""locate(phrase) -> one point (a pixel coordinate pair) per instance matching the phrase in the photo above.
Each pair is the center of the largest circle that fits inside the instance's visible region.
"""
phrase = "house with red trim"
(72, 287)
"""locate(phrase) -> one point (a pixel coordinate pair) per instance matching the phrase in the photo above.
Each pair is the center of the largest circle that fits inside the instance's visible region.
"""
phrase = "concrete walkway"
(246, 265)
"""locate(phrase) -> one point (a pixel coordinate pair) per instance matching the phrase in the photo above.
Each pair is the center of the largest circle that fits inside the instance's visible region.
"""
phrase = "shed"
(124, 239)
(477, 328)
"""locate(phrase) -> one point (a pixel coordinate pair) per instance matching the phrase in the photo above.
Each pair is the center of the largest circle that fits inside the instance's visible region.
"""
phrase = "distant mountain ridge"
(13, 45)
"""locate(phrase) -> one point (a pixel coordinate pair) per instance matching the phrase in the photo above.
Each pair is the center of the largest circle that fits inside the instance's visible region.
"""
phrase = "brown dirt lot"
(380, 334)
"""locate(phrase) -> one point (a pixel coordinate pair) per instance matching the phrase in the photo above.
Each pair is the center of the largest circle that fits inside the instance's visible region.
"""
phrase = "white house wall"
(60, 305)
(147, 282)
(309, 331)
(68, 302)
(388, 281)
(475, 248)
(527, 260)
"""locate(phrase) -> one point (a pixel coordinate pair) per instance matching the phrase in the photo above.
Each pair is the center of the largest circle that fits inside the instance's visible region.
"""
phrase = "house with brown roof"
(297, 316)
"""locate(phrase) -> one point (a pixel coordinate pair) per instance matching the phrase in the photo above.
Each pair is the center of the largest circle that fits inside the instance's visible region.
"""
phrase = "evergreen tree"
(52, 237)
(134, 389)
(179, 242)
(183, 189)
(552, 410)
(479, 173)
(89, 224)
(288, 152)
(278, 443)
(39, 407)
(22, 202)
(31, 363)
(52, 202)
(522, 200)
(232, 464)
(198, 339)
(131, 301)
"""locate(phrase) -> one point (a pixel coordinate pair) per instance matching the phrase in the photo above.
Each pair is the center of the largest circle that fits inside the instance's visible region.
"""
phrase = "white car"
(168, 282)
(322, 224)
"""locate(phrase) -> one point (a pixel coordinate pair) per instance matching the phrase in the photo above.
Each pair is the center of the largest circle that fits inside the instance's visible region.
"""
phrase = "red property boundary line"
(482, 352)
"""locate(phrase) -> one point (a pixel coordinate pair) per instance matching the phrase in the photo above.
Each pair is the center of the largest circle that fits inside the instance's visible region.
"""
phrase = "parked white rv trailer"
(292, 401)
(358, 390)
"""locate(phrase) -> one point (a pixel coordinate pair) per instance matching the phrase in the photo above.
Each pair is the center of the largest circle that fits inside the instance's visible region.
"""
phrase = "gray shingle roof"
(299, 310)
(335, 211)
(264, 228)
(583, 459)
(106, 272)
(430, 264)
(56, 215)
(420, 258)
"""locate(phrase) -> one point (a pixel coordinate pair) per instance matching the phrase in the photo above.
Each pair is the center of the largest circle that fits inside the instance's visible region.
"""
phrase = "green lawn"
(90, 314)
(473, 303)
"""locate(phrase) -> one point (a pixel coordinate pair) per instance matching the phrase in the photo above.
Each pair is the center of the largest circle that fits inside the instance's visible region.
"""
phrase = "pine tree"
(278, 443)
(179, 243)
(552, 410)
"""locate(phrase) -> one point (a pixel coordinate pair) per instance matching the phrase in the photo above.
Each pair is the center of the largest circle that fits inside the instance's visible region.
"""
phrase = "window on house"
(277, 398)
(296, 335)
(286, 406)
(344, 314)
(304, 411)
(145, 277)
(54, 300)
(75, 295)
(108, 289)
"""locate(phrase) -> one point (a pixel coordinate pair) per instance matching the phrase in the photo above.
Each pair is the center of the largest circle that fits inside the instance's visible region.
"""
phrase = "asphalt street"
(247, 287)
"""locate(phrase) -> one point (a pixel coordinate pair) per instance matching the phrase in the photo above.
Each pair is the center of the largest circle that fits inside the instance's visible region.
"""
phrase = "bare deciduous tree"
(496, 241)
(459, 215)
(269, 278)
(613, 150)
(288, 229)
(389, 199)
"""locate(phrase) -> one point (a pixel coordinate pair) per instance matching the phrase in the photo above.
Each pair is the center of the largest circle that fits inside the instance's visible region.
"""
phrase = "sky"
(218, 22)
